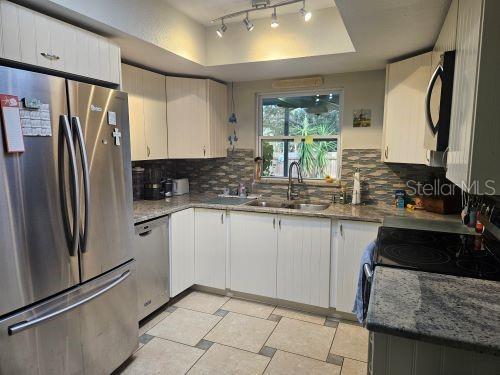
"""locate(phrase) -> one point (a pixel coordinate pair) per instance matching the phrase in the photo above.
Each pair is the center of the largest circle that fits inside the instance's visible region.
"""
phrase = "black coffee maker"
(154, 185)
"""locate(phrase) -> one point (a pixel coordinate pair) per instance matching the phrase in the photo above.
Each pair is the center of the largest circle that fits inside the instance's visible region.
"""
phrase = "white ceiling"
(204, 11)
(380, 30)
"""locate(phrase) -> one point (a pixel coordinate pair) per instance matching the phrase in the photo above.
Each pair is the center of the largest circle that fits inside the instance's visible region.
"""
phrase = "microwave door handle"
(74, 190)
(75, 122)
(437, 73)
(27, 324)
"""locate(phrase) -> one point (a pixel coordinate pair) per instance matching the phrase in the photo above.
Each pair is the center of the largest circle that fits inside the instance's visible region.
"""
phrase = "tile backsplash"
(379, 180)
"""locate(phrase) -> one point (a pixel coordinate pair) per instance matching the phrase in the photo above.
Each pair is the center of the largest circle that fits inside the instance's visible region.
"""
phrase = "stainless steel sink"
(309, 207)
(292, 206)
(259, 203)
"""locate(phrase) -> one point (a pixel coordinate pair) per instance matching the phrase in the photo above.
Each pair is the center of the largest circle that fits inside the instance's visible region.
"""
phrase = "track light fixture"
(304, 13)
(261, 5)
(249, 25)
(221, 30)
(274, 20)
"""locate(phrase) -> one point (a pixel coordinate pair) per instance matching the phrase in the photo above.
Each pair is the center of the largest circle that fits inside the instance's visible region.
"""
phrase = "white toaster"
(180, 186)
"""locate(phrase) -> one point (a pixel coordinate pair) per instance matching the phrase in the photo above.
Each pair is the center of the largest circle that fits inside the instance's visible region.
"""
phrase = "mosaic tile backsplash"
(379, 180)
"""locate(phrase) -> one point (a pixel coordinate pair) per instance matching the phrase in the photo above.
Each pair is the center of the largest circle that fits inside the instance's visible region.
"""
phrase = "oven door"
(367, 285)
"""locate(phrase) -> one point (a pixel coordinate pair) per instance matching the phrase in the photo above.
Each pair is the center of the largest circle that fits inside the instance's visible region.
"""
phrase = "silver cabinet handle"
(148, 150)
(74, 190)
(274, 223)
(222, 218)
(386, 152)
(341, 230)
(27, 324)
(77, 127)
(50, 56)
(204, 151)
(279, 224)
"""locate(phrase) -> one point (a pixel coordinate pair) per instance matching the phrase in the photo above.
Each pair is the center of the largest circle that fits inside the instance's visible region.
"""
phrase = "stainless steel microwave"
(438, 102)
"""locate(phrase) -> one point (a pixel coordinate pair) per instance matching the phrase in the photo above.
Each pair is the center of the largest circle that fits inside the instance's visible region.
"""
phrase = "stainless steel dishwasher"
(151, 254)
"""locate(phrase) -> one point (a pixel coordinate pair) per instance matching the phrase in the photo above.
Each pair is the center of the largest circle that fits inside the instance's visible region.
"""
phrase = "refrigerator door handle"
(75, 193)
(75, 122)
(27, 324)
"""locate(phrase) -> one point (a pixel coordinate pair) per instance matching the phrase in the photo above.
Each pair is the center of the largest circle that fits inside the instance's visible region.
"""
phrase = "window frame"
(338, 137)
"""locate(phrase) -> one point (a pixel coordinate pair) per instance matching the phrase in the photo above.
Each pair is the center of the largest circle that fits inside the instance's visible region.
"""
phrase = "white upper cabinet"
(147, 113)
(33, 38)
(474, 128)
(404, 111)
(303, 266)
(196, 116)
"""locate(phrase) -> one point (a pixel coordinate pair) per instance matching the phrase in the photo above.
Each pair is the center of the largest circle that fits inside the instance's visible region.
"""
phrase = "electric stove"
(439, 252)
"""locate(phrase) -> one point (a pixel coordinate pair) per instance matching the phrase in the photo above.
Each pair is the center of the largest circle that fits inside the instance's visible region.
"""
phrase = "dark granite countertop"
(147, 210)
(441, 309)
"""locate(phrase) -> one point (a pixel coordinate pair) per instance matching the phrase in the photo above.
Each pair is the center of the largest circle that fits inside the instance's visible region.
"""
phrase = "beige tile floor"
(209, 334)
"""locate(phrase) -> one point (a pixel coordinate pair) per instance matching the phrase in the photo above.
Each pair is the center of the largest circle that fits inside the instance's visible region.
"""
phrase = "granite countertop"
(147, 210)
(441, 309)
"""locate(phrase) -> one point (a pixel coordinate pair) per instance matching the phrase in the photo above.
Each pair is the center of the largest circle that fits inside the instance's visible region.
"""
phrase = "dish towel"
(367, 257)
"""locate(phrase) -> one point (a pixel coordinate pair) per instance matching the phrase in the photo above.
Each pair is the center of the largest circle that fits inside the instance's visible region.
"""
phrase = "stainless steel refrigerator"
(68, 301)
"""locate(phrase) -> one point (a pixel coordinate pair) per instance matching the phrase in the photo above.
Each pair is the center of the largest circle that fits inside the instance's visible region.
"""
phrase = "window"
(301, 127)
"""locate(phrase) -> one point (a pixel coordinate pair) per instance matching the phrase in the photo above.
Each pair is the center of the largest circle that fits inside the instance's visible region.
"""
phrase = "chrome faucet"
(291, 194)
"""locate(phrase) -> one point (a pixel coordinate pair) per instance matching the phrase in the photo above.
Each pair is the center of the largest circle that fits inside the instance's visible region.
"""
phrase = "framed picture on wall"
(362, 118)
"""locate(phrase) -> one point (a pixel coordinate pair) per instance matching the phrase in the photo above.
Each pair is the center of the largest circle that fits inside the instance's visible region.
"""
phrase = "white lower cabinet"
(253, 253)
(182, 237)
(303, 269)
(350, 239)
(210, 248)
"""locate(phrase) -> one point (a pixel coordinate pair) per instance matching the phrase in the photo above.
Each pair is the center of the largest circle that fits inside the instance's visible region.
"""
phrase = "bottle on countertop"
(356, 189)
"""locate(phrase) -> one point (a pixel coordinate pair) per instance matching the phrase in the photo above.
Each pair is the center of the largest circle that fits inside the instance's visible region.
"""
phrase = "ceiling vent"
(298, 83)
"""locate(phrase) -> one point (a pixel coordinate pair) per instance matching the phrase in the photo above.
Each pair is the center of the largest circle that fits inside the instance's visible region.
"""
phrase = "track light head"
(274, 20)
(221, 30)
(249, 25)
(304, 13)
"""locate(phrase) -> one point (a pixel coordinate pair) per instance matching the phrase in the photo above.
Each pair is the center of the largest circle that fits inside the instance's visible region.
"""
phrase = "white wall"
(324, 34)
(361, 90)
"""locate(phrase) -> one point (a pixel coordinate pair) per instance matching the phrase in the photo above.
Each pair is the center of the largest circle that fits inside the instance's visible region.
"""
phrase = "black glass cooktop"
(447, 253)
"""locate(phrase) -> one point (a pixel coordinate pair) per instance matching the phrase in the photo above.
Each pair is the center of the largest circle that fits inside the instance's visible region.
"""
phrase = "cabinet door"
(253, 253)
(187, 117)
(464, 92)
(155, 115)
(353, 237)
(181, 251)
(133, 85)
(94, 61)
(303, 271)
(217, 117)
(210, 248)
(43, 51)
(82, 53)
(10, 31)
(404, 112)
(115, 63)
(104, 66)
(27, 36)
(57, 42)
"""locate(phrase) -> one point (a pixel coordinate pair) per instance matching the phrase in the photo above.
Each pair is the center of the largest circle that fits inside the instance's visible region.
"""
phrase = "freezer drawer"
(151, 254)
(89, 330)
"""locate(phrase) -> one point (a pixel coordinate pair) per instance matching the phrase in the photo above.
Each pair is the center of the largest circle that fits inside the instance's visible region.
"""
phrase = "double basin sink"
(292, 206)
